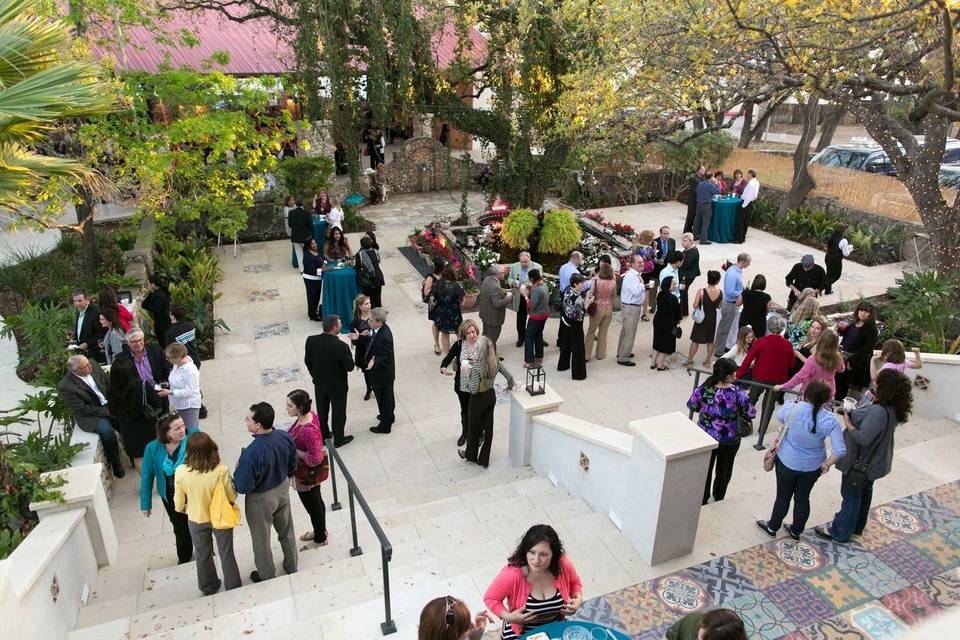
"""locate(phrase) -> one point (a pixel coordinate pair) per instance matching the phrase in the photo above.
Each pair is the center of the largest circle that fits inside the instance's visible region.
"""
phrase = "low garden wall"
(423, 164)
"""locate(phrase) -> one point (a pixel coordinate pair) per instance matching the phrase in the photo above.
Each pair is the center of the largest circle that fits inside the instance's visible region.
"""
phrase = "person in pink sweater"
(538, 586)
(824, 364)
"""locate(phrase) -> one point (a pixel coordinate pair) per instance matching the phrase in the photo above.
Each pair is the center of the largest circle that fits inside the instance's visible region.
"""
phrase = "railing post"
(335, 505)
(696, 383)
(356, 550)
(388, 626)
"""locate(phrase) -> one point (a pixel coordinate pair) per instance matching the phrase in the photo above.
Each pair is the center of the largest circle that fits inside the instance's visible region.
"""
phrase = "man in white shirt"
(750, 193)
(632, 295)
(84, 391)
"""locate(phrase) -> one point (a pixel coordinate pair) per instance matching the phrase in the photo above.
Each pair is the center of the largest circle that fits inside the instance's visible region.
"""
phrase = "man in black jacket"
(301, 229)
(148, 359)
(379, 363)
(329, 361)
(806, 274)
(86, 324)
(84, 391)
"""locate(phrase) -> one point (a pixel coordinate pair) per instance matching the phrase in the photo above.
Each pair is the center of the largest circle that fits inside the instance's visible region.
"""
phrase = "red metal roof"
(254, 49)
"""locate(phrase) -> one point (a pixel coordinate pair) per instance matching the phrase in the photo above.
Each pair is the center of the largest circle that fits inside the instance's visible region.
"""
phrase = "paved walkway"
(452, 524)
(902, 571)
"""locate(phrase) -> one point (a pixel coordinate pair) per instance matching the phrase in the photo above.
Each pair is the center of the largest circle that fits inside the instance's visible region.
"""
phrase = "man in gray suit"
(493, 301)
(518, 276)
(84, 391)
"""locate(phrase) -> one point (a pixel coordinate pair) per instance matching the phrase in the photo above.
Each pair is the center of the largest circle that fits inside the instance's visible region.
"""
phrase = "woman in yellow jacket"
(193, 485)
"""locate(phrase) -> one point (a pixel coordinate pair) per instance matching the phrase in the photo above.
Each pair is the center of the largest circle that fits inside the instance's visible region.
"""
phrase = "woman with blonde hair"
(464, 351)
(448, 618)
(805, 349)
(803, 314)
(483, 399)
(193, 486)
(183, 385)
(738, 352)
(824, 364)
(604, 291)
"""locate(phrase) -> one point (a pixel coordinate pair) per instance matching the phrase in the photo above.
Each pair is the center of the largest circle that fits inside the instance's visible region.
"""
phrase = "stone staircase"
(450, 536)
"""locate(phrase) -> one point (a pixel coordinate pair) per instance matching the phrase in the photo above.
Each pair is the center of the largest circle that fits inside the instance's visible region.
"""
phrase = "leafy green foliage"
(560, 233)
(21, 484)
(45, 328)
(922, 306)
(354, 221)
(682, 152)
(518, 227)
(304, 176)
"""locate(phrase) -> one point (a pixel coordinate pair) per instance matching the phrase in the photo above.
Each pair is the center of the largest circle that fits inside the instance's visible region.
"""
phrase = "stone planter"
(469, 302)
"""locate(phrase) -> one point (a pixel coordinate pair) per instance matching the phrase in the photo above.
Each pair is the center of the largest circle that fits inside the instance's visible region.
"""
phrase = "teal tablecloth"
(577, 630)
(723, 225)
(319, 232)
(339, 290)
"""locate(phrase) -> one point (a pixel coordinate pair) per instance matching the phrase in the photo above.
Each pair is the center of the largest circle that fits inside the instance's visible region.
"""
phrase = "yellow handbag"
(223, 513)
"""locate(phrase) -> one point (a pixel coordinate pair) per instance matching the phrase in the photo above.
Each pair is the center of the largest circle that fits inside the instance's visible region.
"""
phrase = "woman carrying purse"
(868, 435)
(306, 434)
(194, 485)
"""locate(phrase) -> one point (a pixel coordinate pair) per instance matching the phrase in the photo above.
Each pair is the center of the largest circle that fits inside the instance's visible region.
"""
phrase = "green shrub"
(518, 227)
(922, 305)
(681, 152)
(353, 220)
(303, 176)
(561, 232)
(22, 485)
(45, 328)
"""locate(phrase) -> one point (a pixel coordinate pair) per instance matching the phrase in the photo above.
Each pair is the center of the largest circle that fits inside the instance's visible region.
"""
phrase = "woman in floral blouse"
(720, 403)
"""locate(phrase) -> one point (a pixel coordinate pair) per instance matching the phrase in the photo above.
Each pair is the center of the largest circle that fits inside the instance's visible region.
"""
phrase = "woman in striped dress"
(538, 586)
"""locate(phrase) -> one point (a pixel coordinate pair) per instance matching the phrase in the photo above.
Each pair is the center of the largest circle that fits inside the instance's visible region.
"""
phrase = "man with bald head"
(84, 391)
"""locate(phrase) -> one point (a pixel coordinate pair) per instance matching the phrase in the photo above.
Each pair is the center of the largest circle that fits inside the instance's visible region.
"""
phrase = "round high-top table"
(339, 290)
(576, 630)
(319, 231)
(723, 225)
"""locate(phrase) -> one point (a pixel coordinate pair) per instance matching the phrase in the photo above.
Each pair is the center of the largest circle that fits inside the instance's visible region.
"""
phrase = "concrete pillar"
(523, 407)
(83, 488)
(667, 470)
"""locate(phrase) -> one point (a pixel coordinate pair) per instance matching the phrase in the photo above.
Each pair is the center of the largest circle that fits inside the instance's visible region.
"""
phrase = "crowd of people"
(846, 394)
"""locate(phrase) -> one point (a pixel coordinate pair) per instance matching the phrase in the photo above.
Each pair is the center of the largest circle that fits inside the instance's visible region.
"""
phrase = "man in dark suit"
(148, 359)
(301, 229)
(329, 361)
(84, 391)
(664, 245)
(380, 365)
(86, 324)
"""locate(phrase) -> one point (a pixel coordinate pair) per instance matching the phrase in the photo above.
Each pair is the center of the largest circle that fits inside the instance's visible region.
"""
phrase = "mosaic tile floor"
(905, 568)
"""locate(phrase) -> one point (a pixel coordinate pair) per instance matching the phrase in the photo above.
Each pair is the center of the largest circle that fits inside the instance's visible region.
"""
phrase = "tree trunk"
(760, 127)
(86, 210)
(803, 182)
(747, 131)
(829, 127)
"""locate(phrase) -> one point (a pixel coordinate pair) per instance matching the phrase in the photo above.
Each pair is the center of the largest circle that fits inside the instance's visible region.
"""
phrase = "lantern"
(536, 381)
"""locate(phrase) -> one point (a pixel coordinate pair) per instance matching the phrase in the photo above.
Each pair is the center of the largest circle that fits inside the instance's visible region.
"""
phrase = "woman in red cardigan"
(539, 584)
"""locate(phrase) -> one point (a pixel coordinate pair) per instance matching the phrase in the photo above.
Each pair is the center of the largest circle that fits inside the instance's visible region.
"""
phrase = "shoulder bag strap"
(786, 425)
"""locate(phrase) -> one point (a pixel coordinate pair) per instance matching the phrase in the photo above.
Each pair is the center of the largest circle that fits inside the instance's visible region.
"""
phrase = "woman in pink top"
(604, 289)
(825, 363)
(305, 432)
(893, 355)
(539, 584)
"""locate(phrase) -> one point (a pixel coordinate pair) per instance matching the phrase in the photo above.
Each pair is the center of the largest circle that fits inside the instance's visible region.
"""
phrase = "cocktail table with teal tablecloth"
(576, 630)
(723, 225)
(339, 290)
(319, 232)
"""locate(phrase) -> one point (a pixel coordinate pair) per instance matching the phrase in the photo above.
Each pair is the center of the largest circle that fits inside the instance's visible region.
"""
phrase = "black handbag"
(744, 426)
(677, 332)
(149, 411)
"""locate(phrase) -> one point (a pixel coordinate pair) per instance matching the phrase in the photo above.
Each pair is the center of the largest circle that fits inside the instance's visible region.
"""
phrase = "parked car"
(870, 157)
(950, 176)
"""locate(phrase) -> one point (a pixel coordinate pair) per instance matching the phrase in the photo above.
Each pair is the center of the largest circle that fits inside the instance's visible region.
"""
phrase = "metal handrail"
(388, 626)
(768, 400)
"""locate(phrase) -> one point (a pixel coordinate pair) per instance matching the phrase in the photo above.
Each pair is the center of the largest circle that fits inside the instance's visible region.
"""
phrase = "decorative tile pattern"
(911, 605)
(872, 574)
(905, 568)
(786, 253)
(279, 375)
(268, 330)
(265, 295)
(405, 277)
(257, 268)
